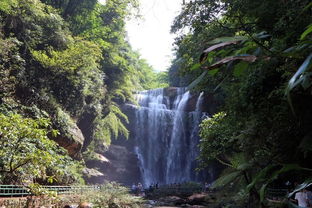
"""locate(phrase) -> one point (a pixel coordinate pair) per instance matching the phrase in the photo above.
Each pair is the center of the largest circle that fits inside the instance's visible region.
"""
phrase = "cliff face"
(117, 164)
(210, 102)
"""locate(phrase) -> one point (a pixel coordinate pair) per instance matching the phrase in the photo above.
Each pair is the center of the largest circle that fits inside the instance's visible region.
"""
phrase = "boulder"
(70, 137)
(98, 161)
(93, 176)
(197, 199)
(72, 141)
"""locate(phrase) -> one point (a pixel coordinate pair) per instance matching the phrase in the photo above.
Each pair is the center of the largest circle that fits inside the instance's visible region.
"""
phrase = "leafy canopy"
(28, 154)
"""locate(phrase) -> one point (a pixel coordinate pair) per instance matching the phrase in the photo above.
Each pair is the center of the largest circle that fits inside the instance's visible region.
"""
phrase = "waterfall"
(175, 161)
(166, 136)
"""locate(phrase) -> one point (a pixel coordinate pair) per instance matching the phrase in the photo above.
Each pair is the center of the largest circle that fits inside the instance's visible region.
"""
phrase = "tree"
(28, 154)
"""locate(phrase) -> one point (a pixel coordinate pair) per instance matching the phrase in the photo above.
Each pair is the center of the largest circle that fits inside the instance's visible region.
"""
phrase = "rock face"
(211, 102)
(117, 164)
(124, 165)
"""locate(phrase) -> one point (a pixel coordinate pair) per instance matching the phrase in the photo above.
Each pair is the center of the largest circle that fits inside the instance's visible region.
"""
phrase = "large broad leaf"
(262, 35)
(261, 176)
(295, 51)
(306, 32)
(308, 6)
(306, 144)
(284, 169)
(275, 175)
(201, 78)
(226, 179)
(228, 39)
(247, 58)
(204, 55)
(297, 79)
(197, 80)
(293, 82)
(262, 192)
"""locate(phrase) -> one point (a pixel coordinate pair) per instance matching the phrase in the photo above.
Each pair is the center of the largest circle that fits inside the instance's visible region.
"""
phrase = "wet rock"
(171, 91)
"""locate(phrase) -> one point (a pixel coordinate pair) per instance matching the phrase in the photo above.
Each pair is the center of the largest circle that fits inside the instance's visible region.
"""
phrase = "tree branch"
(20, 165)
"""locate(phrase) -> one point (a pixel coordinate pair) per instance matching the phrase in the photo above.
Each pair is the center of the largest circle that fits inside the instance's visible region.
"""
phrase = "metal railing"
(16, 190)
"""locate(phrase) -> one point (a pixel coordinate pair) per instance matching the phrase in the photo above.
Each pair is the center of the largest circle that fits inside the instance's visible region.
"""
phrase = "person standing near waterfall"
(302, 198)
(140, 189)
(133, 188)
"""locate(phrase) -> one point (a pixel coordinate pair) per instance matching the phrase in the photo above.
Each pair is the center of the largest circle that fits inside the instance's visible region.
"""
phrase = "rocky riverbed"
(196, 200)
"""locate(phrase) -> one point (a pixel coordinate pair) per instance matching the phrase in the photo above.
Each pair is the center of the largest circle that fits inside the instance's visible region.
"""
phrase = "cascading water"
(175, 170)
(167, 136)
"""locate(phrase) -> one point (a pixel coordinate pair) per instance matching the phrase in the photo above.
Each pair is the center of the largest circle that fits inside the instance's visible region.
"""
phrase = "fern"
(116, 110)
(111, 126)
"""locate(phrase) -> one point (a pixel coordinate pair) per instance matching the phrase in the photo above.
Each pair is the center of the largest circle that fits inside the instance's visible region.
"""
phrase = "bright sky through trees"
(151, 35)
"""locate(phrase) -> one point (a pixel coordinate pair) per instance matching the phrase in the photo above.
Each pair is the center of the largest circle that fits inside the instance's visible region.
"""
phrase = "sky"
(151, 34)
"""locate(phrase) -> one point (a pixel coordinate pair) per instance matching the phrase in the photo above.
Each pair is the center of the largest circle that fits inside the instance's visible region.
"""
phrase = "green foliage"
(105, 25)
(11, 64)
(75, 76)
(255, 135)
(7, 6)
(111, 126)
(153, 80)
(209, 129)
(37, 190)
(306, 32)
(109, 195)
(114, 195)
(71, 59)
(301, 77)
(34, 23)
(26, 151)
